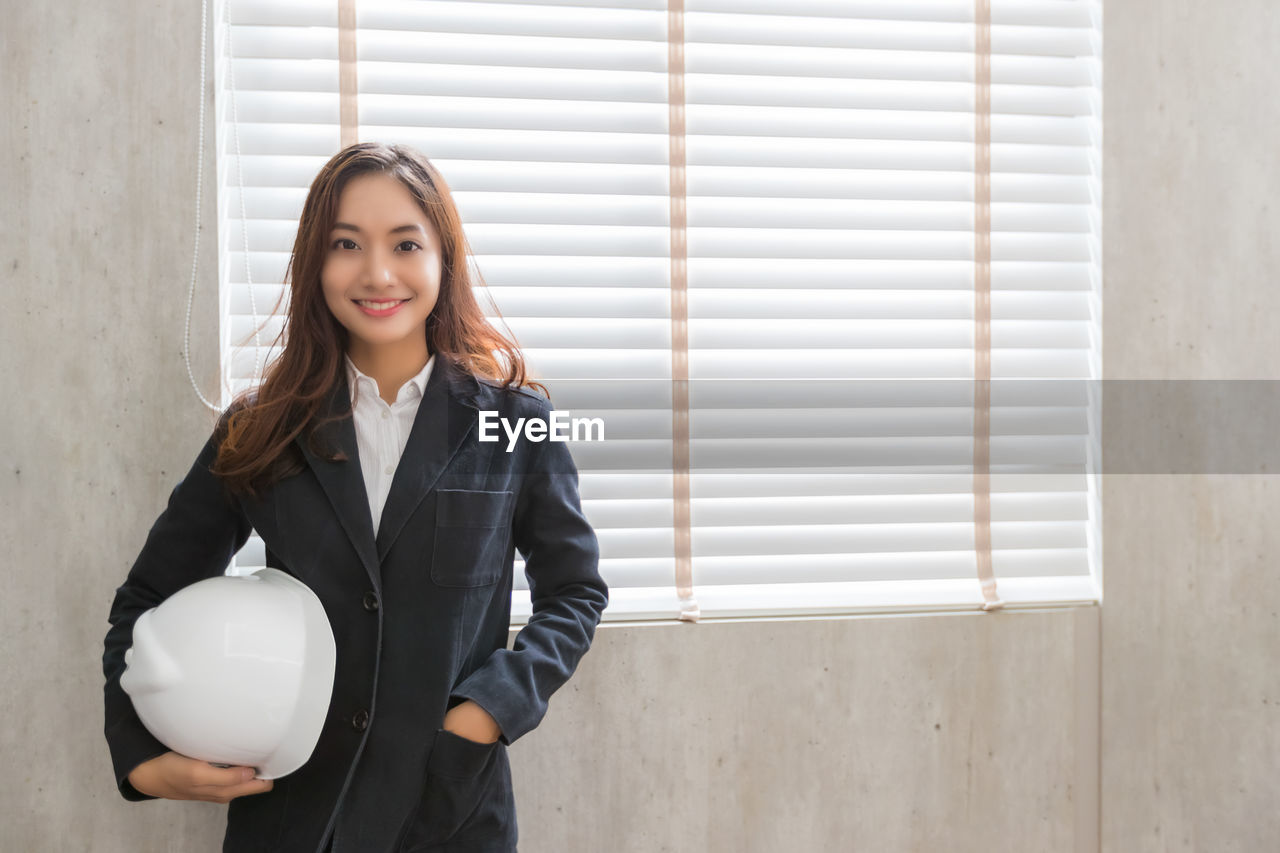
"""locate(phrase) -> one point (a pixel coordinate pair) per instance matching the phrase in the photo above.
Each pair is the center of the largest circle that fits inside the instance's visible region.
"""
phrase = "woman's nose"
(378, 268)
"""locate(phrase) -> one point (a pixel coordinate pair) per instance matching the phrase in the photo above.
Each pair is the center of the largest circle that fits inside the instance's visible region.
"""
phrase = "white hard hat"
(235, 670)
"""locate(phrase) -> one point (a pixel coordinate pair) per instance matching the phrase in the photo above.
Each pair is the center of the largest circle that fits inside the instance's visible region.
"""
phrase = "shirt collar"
(417, 383)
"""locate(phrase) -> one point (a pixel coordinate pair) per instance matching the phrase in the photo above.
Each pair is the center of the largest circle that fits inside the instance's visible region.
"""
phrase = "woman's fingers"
(223, 784)
(204, 774)
(227, 793)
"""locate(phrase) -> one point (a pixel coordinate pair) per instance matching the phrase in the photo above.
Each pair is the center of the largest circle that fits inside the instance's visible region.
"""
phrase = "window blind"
(828, 197)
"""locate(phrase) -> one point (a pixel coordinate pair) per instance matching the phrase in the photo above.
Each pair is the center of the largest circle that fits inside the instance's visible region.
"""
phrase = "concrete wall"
(1190, 633)
(98, 172)
(931, 733)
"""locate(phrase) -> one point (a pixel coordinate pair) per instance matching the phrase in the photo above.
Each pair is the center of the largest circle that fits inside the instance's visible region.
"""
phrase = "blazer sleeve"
(194, 538)
(568, 595)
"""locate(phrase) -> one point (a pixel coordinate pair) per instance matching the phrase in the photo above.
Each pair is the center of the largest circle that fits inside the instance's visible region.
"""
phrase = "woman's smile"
(380, 308)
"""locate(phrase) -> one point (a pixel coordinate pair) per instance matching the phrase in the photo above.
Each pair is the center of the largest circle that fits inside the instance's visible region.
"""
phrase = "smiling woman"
(379, 224)
(404, 524)
(381, 279)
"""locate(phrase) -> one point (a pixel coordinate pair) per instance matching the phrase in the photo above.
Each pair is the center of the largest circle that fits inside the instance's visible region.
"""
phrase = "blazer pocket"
(458, 778)
(472, 529)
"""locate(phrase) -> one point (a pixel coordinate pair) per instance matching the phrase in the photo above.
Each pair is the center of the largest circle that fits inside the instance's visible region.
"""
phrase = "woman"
(358, 462)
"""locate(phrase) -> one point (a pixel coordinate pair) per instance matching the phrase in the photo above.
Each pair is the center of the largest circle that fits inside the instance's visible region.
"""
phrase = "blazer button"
(371, 601)
(360, 721)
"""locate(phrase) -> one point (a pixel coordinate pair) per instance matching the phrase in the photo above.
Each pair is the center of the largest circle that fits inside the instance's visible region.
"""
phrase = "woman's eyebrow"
(399, 229)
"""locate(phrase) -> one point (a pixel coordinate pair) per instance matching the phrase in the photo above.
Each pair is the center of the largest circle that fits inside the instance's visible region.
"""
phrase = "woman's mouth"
(380, 308)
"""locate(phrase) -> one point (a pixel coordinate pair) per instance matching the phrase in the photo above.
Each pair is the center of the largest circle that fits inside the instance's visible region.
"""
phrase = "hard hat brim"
(316, 690)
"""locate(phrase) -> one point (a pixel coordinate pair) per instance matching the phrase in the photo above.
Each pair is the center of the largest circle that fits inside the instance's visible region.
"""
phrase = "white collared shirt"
(382, 430)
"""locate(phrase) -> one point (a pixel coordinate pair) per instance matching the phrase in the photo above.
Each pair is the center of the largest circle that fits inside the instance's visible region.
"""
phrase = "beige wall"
(932, 733)
(1191, 637)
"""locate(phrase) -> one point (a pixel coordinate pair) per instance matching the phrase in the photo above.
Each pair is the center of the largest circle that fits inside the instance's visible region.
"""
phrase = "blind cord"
(195, 254)
(244, 230)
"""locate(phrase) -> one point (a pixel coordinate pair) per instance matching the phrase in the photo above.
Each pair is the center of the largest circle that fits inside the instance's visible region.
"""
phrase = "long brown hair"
(256, 435)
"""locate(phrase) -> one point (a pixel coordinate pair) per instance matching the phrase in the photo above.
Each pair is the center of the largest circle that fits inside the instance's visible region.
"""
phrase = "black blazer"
(421, 617)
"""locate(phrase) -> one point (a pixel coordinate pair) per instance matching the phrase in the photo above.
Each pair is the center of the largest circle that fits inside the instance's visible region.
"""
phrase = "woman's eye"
(346, 243)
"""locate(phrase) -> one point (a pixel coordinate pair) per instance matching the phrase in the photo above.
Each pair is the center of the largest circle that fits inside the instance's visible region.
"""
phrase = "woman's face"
(381, 273)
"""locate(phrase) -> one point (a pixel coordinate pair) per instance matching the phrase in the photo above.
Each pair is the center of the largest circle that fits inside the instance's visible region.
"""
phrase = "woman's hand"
(176, 777)
(469, 720)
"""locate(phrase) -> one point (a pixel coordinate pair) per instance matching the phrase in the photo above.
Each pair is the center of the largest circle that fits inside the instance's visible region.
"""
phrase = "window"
(772, 244)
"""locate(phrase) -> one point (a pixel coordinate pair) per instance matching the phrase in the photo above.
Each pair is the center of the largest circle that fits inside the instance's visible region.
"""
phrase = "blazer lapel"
(445, 416)
(343, 481)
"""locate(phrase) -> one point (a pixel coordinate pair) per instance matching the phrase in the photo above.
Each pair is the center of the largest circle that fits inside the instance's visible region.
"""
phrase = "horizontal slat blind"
(830, 157)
